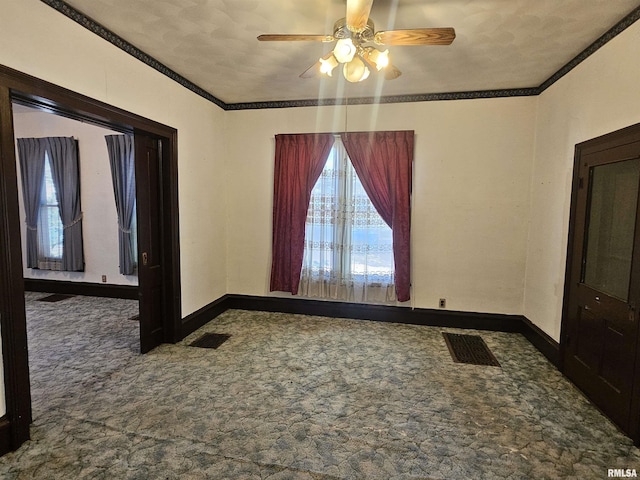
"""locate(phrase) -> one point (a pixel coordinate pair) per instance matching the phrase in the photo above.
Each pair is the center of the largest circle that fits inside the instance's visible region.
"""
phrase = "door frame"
(15, 85)
(604, 142)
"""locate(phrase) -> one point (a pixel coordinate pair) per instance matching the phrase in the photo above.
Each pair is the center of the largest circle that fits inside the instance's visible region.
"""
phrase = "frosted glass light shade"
(355, 70)
(327, 66)
(381, 59)
(345, 50)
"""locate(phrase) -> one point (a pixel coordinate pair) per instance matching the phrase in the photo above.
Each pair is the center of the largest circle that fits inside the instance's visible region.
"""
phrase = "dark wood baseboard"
(381, 313)
(201, 317)
(5, 436)
(543, 342)
(81, 288)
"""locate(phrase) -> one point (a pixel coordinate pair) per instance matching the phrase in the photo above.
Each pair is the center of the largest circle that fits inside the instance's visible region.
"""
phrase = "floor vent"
(56, 297)
(469, 349)
(210, 340)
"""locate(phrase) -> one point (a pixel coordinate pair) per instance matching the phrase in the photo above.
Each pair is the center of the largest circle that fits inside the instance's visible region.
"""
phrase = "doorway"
(14, 85)
(599, 341)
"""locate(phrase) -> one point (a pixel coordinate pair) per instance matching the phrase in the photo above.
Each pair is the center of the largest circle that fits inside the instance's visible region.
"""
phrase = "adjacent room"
(335, 200)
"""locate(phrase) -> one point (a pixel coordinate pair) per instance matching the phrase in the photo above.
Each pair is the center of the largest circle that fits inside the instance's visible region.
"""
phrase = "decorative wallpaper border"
(121, 43)
(422, 97)
(614, 31)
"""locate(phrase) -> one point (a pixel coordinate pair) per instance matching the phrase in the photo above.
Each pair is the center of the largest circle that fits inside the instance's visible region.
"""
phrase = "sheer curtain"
(348, 248)
(121, 160)
(50, 229)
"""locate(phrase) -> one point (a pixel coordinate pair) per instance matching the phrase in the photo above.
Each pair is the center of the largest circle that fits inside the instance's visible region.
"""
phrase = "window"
(49, 224)
(383, 161)
(50, 176)
(348, 249)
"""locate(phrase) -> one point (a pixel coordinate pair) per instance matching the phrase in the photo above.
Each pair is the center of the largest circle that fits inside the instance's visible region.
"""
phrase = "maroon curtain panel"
(299, 161)
(383, 162)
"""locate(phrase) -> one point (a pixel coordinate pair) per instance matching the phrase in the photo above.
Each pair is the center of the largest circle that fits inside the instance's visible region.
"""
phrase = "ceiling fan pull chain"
(346, 111)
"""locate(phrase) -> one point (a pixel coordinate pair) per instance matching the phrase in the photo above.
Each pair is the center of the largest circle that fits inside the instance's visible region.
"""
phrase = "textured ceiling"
(500, 44)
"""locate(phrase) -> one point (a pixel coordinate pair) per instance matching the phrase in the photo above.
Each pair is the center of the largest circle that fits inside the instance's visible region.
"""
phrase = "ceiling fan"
(357, 44)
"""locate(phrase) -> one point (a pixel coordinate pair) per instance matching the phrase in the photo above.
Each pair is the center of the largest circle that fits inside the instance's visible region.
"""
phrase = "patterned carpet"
(297, 397)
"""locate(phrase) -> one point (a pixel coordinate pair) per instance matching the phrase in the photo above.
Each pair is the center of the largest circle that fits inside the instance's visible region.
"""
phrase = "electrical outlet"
(104, 279)
(443, 303)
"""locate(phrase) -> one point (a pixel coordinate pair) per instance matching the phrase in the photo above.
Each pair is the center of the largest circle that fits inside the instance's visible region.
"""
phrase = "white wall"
(39, 41)
(470, 197)
(600, 96)
(100, 220)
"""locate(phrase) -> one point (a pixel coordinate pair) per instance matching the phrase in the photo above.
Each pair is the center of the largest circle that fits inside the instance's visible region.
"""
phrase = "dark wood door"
(149, 216)
(600, 330)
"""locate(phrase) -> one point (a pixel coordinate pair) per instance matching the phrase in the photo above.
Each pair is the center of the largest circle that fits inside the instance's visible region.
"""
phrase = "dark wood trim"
(381, 313)
(47, 96)
(618, 138)
(13, 322)
(59, 110)
(81, 288)
(575, 187)
(624, 136)
(204, 315)
(171, 238)
(5, 436)
(543, 342)
(15, 85)
(42, 94)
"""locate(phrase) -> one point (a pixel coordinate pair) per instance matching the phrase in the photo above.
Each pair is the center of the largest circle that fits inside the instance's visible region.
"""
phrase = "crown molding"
(421, 97)
(125, 46)
(613, 32)
(122, 44)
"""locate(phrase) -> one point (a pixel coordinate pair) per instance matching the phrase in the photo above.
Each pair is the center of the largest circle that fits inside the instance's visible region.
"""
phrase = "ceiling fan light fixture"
(355, 71)
(359, 47)
(344, 50)
(381, 59)
(365, 75)
(328, 64)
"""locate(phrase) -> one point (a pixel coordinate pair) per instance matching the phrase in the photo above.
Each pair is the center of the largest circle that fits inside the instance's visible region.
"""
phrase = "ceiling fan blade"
(417, 36)
(358, 14)
(391, 72)
(295, 38)
(312, 71)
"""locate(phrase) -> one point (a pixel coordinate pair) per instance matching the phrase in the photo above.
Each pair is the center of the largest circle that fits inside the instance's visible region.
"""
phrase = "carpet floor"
(297, 397)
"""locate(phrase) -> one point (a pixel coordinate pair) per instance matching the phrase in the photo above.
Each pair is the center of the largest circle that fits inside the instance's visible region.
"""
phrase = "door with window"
(600, 325)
